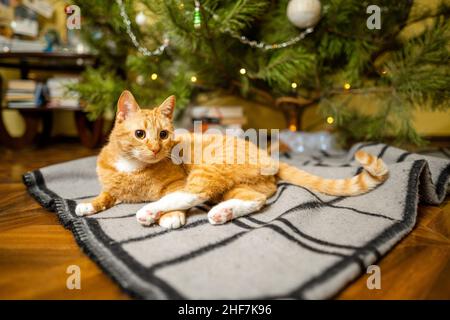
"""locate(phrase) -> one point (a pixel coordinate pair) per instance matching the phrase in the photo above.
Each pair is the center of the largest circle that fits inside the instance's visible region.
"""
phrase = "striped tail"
(374, 173)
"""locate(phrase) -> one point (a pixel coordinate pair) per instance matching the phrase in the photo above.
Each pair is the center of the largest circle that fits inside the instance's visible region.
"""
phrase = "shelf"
(46, 55)
(42, 109)
(90, 132)
(66, 62)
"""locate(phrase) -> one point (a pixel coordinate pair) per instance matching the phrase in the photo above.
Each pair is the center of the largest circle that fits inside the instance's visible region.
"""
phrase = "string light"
(242, 71)
(330, 120)
(347, 86)
(193, 79)
(154, 76)
(294, 85)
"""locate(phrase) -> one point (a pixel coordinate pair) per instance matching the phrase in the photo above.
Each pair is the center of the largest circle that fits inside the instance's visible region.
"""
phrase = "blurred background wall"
(427, 123)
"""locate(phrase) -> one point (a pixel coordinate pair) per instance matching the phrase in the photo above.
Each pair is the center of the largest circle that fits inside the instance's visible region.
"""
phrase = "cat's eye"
(140, 134)
(163, 134)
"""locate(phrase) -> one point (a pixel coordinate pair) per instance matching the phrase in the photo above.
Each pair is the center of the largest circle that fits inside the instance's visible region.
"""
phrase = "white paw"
(220, 214)
(84, 209)
(233, 208)
(172, 220)
(148, 214)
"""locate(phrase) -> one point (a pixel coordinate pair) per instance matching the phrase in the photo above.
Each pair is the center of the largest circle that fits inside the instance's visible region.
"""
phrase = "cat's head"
(143, 134)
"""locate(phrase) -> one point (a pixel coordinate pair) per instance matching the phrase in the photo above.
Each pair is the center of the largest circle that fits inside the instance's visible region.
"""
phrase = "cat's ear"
(166, 108)
(126, 106)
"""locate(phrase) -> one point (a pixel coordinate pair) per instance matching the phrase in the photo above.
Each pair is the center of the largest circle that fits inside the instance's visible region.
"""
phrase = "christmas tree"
(287, 54)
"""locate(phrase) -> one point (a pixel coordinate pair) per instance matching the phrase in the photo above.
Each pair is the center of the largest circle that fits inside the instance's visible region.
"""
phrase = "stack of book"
(59, 96)
(222, 118)
(19, 45)
(24, 94)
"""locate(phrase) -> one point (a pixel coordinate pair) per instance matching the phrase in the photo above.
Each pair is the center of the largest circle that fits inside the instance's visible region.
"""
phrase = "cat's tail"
(374, 173)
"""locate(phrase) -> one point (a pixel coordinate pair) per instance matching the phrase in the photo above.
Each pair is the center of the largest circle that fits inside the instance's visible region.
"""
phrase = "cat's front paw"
(84, 209)
(172, 220)
(148, 214)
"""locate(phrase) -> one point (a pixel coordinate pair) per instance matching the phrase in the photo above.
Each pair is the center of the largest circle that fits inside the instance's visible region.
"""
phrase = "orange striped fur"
(375, 172)
(136, 167)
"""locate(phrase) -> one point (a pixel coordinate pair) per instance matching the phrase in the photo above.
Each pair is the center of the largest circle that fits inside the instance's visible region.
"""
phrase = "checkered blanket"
(301, 245)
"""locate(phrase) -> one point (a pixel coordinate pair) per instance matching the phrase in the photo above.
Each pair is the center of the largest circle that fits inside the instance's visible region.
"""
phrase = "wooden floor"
(35, 250)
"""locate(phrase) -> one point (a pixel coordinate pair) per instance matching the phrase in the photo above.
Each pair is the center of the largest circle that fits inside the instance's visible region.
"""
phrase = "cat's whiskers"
(168, 155)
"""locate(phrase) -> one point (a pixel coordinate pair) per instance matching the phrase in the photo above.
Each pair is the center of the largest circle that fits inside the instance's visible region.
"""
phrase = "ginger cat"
(137, 166)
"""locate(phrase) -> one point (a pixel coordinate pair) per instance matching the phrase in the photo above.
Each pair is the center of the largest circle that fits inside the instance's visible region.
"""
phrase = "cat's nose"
(154, 150)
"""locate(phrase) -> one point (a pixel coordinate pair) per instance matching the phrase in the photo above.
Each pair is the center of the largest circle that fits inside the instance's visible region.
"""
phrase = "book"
(19, 45)
(41, 94)
(25, 85)
(21, 104)
(25, 94)
(43, 7)
(58, 94)
(25, 21)
(19, 96)
(239, 120)
(223, 118)
(198, 112)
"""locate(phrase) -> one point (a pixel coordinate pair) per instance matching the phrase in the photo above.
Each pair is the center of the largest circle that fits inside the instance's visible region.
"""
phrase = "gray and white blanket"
(301, 245)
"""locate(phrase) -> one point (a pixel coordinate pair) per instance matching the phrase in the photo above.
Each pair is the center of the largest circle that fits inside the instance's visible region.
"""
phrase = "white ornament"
(303, 13)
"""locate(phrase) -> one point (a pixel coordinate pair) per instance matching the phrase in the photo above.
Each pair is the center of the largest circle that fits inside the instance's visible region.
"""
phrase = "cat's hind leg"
(238, 202)
(102, 202)
(201, 185)
(172, 219)
(175, 201)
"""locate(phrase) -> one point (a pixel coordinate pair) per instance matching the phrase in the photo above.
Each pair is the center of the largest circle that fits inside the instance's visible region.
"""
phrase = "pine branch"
(237, 15)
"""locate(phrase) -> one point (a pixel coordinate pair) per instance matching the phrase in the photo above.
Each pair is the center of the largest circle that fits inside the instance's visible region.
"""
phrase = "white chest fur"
(127, 165)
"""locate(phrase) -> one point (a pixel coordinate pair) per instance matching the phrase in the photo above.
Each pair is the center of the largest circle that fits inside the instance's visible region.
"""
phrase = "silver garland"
(260, 44)
(126, 20)
(243, 39)
(266, 46)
